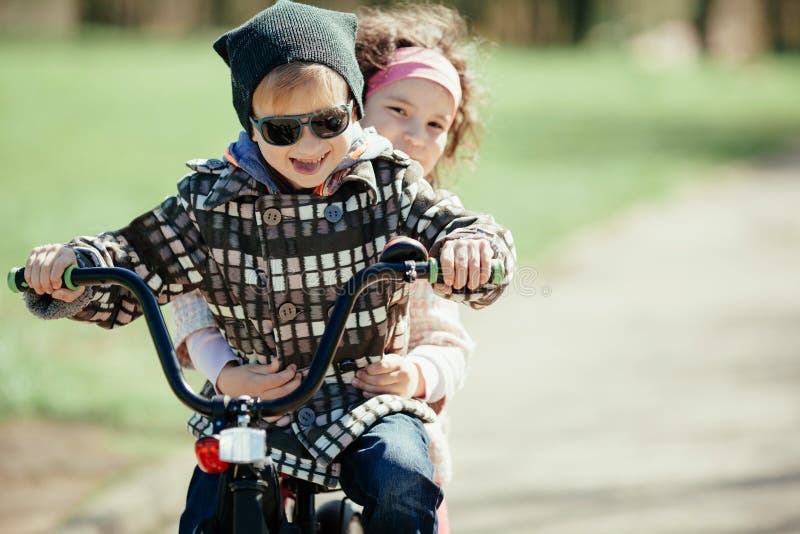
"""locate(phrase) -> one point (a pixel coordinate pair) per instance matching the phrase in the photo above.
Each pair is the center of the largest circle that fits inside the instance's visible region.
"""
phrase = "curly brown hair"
(382, 30)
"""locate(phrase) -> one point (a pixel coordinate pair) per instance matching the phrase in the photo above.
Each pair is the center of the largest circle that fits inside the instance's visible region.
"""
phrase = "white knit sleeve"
(438, 343)
(209, 352)
(191, 314)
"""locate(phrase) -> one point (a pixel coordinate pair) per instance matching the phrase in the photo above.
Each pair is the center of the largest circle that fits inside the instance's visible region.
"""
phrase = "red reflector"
(207, 452)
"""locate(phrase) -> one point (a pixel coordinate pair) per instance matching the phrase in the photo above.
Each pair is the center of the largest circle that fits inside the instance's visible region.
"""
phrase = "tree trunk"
(785, 18)
(176, 16)
(510, 20)
(580, 14)
(53, 17)
(738, 30)
(536, 21)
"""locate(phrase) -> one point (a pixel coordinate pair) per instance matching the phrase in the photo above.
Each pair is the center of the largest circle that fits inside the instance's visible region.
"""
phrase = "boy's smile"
(309, 161)
(308, 167)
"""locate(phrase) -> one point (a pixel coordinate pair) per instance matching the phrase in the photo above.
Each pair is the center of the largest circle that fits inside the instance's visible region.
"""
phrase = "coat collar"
(245, 173)
(234, 182)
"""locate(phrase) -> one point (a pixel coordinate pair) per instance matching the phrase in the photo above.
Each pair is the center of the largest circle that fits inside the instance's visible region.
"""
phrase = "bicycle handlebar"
(326, 349)
(17, 284)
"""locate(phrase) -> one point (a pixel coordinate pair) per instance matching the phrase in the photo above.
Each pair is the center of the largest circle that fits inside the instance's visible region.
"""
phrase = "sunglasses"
(284, 130)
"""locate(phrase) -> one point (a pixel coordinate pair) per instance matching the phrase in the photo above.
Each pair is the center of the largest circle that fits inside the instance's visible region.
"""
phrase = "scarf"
(245, 154)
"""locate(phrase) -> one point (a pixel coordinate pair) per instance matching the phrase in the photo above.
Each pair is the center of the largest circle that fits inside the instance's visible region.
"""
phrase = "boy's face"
(309, 161)
(415, 115)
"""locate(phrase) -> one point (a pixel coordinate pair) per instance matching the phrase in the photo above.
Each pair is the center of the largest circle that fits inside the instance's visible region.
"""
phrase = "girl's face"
(415, 115)
(309, 161)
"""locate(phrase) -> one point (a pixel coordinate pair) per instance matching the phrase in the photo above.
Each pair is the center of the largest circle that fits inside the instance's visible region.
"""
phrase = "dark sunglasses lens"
(329, 123)
(281, 131)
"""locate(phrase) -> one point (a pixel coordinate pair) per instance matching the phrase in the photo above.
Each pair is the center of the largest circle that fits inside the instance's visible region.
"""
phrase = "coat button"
(287, 311)
(306, 417)
(272, 216)
(345, 366)
(333, 213)
(215, 164)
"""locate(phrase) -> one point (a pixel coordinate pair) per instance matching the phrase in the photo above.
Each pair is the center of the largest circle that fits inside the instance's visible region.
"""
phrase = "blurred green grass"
(578, 135)
(96, 129)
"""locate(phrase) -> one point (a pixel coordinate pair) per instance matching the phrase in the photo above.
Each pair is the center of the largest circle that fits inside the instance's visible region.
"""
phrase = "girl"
(421, 95)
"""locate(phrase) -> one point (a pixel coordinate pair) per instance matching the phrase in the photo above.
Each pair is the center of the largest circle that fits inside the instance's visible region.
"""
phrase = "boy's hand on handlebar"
(393, 374)
(263, 381)
(466, 262)
(46, 266)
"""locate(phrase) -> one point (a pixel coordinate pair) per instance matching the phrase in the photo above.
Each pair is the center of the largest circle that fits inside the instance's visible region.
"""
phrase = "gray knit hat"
(284, 33)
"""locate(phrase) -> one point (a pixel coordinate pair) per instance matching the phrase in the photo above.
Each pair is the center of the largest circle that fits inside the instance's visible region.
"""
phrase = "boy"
(303, 200)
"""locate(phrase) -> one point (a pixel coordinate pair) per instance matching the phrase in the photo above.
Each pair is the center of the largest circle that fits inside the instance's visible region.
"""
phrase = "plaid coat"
(269, 267)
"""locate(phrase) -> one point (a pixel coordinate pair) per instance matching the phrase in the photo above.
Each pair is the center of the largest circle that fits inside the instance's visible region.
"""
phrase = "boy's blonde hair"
(276, 86)
(382, 30)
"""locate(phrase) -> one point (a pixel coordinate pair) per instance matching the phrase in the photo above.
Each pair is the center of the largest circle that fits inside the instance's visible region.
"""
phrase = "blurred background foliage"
(593, 106)
(727, 28)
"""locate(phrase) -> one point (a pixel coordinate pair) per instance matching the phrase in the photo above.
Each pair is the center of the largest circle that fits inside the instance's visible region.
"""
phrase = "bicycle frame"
(250, 497)
(248, 502)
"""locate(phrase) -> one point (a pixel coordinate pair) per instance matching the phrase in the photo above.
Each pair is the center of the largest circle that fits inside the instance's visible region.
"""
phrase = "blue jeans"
(386, 470)
(201, 500)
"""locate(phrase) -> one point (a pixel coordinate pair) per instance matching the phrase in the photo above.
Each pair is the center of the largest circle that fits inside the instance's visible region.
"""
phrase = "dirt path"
(657, 389)
(50, 469)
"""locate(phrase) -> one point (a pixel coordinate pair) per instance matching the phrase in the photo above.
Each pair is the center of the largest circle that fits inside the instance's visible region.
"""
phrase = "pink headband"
(417, 62)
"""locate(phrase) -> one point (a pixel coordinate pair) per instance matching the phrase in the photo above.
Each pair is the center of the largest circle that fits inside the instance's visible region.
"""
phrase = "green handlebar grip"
(498, 272)
(13, 285)
(433, 273)
(66, 279)
(16, 279)
(497, 276)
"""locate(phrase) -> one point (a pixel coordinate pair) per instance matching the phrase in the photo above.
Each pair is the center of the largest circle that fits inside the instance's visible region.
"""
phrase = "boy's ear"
(358, 111)
(354, 114)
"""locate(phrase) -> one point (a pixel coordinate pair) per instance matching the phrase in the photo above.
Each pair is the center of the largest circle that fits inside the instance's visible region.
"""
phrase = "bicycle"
(250, 499)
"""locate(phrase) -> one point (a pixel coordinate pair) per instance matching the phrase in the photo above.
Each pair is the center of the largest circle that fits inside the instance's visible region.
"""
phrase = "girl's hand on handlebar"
(466, 262)
(46, 266)
(393, 374)
(263, 381)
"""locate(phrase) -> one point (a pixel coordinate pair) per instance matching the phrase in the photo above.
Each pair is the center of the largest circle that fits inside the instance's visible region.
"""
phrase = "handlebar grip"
(17, 284)
(435, 274)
